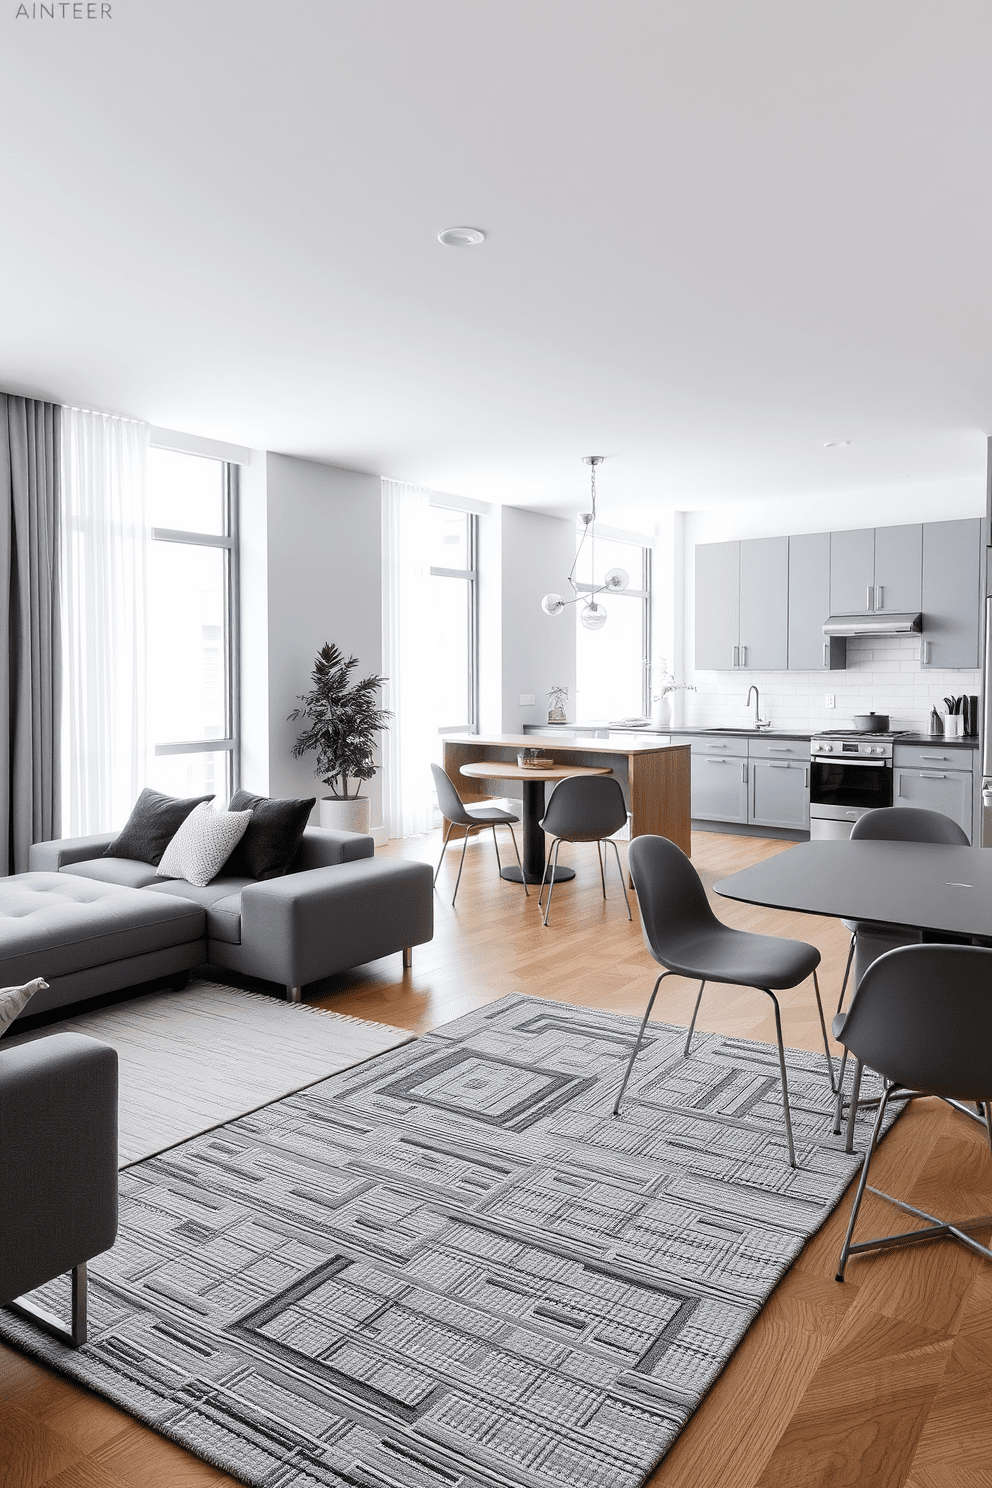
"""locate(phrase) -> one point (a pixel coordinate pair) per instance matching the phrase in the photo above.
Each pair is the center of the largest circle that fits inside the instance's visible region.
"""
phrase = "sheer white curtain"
(104, 537)
(410, 743)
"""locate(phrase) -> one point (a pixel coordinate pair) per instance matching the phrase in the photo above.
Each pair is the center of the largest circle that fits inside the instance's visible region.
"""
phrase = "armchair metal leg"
(461, 865)
(75, 1334)
(444, 844)
(499, 865)
(839, 1107)
(602, 874)
(523, 876)
(551, 885)
(847, 971)
(637, 1043)
(823, 1030)
(785, 1082)
(623, 884)
(692, 1025)
(863, 1180)
(852, 1110)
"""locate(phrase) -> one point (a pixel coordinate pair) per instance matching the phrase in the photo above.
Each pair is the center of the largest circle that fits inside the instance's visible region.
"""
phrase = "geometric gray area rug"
(451, 1267)
(192, 1060)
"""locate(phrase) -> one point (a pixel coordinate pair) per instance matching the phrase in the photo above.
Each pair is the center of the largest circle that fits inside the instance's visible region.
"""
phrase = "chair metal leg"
(852, 1110)
(823, 1030)
(523, 876)
(544, 876)
(785, 1082)
(461, 865)
(551, 885)
(637, 1043)
(444, 844)
(602, 874)
(863, 1180)
(692, 1025)
(75, 1334)
(839, 1107)
(847, 971)
(622, 882)
(499, 865)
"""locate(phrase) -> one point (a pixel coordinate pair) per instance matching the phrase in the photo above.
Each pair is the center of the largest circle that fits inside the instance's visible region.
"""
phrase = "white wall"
(537, 650)
(319, 529)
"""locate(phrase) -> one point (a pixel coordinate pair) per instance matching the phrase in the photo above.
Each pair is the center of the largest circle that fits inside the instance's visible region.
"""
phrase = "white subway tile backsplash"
(884, 676)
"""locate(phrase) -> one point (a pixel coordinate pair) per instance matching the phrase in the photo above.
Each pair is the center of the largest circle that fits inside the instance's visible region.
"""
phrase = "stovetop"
(864, 733)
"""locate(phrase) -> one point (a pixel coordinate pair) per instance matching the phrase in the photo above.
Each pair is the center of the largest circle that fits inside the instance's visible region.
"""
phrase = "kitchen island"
(654, 775)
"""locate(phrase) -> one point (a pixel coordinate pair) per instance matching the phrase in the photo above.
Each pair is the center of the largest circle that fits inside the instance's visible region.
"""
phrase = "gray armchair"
(58, 1169)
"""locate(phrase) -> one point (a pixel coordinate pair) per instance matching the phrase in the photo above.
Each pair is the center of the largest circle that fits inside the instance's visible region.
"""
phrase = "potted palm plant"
(344, 721)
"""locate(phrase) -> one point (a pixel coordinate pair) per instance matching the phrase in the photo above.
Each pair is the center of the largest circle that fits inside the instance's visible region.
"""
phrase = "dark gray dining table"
(907, 887)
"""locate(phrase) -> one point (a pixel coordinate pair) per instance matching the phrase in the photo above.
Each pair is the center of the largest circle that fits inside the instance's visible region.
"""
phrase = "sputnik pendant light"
(592, 615)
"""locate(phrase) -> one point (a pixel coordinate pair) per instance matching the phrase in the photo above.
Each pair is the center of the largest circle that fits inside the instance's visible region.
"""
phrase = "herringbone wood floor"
(884, 1381)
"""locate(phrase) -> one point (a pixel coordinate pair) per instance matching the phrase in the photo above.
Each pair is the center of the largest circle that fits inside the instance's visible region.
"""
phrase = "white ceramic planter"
(661, 714)
(351, 815)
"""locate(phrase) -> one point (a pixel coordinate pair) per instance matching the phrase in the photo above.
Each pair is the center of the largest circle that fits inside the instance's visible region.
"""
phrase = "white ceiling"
(720, 233)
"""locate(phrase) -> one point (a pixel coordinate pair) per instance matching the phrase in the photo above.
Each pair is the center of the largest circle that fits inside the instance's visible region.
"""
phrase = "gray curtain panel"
(31, 660)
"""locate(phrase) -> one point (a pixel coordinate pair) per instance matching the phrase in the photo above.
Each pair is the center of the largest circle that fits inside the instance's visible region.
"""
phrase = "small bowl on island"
(534, 759)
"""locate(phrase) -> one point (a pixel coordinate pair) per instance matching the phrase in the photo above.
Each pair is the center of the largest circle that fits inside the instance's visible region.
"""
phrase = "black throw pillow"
(151, 826)
(273, 836)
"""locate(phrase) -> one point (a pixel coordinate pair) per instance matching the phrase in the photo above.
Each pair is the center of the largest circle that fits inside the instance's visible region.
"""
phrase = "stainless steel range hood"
(874, 623)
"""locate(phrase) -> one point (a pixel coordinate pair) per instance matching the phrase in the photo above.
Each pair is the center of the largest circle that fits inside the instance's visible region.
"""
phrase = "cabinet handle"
(826, 653)
(780, 749)
(879, 601)
(931, 775)
(868, 602)
(743, 774)
(743, 656)
(717, 762)
(807, 777)
(737, 656)
(779, 765)
(937, 756)
(926, 653)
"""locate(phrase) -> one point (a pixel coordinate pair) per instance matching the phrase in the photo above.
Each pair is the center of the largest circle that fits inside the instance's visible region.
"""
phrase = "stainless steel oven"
(849, 775)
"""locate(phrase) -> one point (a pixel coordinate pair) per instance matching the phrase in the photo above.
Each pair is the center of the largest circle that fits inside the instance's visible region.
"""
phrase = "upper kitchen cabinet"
(718, 599)
(876, 568)
(898, 579)
(809, 606)
(951, 593)
(764, 625)
(852, 572)
(742, 605)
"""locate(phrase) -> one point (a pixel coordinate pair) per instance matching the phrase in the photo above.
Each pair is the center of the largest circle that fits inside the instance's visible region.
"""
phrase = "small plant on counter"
(557, 697)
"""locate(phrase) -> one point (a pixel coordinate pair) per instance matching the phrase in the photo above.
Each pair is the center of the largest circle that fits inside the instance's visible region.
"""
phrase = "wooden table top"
(507, 770)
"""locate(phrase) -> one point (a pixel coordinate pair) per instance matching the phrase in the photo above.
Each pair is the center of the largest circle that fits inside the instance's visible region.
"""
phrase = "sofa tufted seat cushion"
(54, 924)
(221, 898)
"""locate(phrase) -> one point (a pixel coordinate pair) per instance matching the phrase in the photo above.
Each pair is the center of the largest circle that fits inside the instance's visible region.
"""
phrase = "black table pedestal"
(534, 859)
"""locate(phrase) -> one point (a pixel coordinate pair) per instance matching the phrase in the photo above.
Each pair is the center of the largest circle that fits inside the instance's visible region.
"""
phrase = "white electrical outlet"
(830, 701)
(527, 699)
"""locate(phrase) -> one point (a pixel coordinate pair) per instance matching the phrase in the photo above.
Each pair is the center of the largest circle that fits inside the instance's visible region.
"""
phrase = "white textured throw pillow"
(203, 844)
(13, 1000)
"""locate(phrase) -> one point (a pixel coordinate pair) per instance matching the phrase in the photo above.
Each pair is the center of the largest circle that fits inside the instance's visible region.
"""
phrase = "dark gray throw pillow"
(274, 833)
(151, 826)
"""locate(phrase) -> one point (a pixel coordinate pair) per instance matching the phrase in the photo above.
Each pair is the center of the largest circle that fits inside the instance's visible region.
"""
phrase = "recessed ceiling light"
(461, 237)
(836, 443)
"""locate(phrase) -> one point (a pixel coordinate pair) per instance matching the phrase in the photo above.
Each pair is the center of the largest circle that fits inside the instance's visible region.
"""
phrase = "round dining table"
(533, 778)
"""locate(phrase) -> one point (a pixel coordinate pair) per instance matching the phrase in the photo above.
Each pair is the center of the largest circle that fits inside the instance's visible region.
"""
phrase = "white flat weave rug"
(192, 1060)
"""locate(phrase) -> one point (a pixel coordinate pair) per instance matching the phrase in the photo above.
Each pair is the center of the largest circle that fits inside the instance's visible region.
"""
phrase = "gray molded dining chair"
(473, 819)
(898, 824)
(686, 938)
(921, 1017)
(584, 808)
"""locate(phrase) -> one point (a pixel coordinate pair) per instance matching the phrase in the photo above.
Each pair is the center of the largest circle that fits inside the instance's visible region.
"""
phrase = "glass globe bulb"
(593, 616)
(552, 604)
(617, 578)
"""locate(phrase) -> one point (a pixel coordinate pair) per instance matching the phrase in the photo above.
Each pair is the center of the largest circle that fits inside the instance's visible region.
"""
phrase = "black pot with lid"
(871, 723)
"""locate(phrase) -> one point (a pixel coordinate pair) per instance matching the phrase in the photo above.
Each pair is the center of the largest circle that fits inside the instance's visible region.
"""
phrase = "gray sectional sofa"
(90, 924)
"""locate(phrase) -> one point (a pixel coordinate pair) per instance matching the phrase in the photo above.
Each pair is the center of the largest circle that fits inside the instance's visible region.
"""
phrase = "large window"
(452, 675)
(611, 665)
(192, 610)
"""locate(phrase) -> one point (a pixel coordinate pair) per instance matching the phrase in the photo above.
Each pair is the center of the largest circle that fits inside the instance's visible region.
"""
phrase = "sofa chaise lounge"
(90, 924)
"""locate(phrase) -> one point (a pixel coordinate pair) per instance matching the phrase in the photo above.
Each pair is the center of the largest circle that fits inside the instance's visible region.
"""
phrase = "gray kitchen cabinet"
(852, 572)
(949, 791)
(898, 578)
(809, 606)
(951, 593)
(779, 794)
(764, 604)
(719, 787)
(718, 588)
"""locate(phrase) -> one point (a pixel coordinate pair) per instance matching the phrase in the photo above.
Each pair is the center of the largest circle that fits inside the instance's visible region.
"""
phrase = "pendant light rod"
(593, 616)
